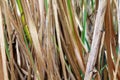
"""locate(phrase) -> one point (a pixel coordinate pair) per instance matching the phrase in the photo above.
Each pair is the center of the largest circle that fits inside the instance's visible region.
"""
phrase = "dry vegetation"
(59, 39)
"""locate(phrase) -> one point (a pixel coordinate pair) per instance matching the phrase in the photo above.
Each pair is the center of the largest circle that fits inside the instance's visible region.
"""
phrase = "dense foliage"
(59, 39)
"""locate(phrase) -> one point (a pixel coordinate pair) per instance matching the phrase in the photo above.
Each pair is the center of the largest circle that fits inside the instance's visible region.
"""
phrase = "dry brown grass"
(59, 40)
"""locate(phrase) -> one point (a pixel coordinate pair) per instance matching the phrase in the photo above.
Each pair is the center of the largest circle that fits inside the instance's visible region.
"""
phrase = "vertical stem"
(2, 49)
(118, 12)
